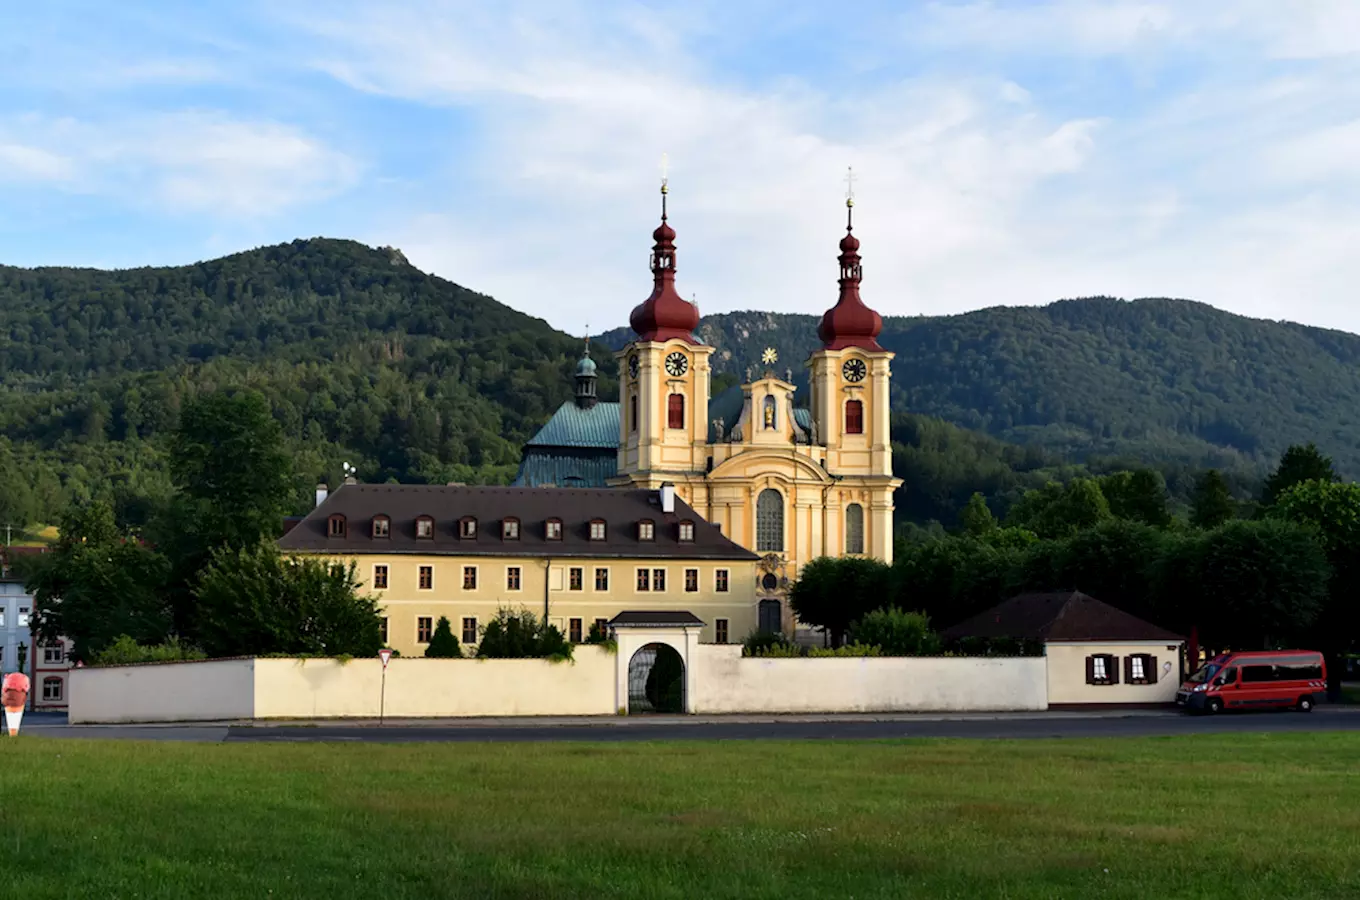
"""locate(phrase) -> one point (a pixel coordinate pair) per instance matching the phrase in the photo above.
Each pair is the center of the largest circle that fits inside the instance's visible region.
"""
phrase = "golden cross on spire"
(665, 170)
(849, 186)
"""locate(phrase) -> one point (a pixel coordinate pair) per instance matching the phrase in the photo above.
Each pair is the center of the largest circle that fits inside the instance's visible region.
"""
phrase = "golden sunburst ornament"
(769, 357)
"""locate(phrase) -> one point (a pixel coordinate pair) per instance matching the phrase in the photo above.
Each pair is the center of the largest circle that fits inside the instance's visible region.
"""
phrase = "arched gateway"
(655, 651)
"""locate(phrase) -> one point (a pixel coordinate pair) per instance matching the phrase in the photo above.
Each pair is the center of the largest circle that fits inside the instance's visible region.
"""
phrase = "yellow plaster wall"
(404, 602)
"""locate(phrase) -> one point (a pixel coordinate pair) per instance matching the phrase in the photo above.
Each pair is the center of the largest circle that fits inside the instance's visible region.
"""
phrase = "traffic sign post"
(384, 654)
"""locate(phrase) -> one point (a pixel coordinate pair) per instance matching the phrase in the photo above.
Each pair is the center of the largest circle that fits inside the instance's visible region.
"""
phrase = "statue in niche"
(769, 412)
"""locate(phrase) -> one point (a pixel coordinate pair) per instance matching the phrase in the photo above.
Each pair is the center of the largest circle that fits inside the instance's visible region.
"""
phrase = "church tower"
(663, 380)
(850, 383)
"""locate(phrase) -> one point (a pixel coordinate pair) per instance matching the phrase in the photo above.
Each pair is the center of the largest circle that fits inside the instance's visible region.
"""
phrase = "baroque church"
(787, 481)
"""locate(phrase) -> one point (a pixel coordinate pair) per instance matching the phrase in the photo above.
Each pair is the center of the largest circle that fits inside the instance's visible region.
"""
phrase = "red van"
(1279, 679)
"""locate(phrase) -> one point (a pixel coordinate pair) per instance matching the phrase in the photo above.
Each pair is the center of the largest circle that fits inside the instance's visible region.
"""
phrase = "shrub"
(443, 645)
(124, 651)
(758, 642)
(896, 633)
(520, 635)
(846, 650)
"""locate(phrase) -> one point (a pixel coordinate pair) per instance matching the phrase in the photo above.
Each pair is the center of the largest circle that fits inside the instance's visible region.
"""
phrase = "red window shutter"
(675, 411)
(1128, 669)
(1150, 664)
(1113, 668)
(854, 417)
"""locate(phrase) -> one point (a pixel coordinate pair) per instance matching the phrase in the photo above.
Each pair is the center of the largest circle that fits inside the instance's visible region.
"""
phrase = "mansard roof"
(620, 510)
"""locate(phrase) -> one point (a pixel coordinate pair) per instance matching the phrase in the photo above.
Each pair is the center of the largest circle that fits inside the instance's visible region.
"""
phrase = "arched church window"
(854, 528)
(771, 415)
(854, 417)
(632, 413)
(675, 411)
(770, 521)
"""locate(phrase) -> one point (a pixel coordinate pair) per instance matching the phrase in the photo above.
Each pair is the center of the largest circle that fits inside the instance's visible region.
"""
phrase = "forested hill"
(367, 359)
(362, 356)
(1152, 379)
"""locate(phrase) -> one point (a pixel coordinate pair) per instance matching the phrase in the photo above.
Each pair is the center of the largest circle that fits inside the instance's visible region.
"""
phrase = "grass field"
(1243, 816)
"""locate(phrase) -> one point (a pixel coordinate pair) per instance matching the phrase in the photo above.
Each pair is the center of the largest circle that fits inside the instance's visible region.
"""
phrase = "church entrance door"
(771, 616)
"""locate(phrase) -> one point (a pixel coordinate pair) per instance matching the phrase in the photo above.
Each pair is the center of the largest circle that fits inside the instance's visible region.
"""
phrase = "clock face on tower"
(854, 370)
(677, 364)
(633, 365)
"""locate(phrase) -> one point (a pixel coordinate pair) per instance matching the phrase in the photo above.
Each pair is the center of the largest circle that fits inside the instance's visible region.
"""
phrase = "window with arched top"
(335, 526)
(675, 411)
(467, 527)
(770, 521)
(854, 528)
(854, 417)
(509, 529)
(771, 412)
(424, 527)
(382, 527)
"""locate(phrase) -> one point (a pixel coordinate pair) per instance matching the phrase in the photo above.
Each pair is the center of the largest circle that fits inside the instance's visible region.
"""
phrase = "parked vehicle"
(1280, 679)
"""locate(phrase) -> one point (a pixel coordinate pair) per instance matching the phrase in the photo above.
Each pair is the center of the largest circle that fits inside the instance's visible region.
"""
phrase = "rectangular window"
(691, 580)
(337, 526)
(23, 617)
(424, 628)
(470, 630)
(675, 411)
(512, 578)
(720, 627)
(1141, 668)
(687, 531)
(381, 528)
(554, 531)
(644, 579)
(574, 630)
(646, 531)
(52, 689)
(53, 655)
(658, 579)
(510, 529)
(425, 528)
(576, 579)
(382, 629)
(602, 625)
(601, 579)
(854, 417)
(469, 578)
(380, 578)
(1102, 668)
(597, 531)
(426, 577)
(720, 581)
(2, 618)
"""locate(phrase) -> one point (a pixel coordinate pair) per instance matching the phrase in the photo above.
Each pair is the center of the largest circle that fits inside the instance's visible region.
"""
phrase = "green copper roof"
(566, 468)
(572, 426)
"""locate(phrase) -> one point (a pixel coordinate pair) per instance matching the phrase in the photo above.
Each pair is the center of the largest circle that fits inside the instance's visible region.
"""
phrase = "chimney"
(668, 498)
(350, 479)
(321, 492)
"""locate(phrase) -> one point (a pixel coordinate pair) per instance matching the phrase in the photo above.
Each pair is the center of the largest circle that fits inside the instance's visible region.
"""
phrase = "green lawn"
(1241, 816)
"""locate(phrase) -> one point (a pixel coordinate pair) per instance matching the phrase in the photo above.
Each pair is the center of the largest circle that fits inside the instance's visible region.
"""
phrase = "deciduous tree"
(831, 593)
(1212, 503)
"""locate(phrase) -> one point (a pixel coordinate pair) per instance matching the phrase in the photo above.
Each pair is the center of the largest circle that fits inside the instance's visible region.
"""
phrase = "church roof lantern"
(850, 323)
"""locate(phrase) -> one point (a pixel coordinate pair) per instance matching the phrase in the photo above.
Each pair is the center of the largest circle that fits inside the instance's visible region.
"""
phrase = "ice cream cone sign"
(14, 696)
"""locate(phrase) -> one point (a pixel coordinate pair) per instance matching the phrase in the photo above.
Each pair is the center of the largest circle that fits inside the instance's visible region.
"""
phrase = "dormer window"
(335, 526)
(382, 527)
(646, 530)
(687, 531)
(424, 528)
(467, 528)
(554, 529)
(597, 531)
(510, 529)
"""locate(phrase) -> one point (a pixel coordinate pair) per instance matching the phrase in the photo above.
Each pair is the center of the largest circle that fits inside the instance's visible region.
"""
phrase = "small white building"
(1097, 654)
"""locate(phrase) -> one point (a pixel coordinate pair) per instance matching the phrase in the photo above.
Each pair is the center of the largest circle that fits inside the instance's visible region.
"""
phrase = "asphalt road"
(1037, 725)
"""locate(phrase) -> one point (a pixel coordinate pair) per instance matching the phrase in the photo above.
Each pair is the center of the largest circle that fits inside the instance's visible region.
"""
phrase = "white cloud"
(189, 162)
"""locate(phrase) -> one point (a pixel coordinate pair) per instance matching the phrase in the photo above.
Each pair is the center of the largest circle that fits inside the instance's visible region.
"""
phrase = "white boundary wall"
(719, 680)
(723, 682)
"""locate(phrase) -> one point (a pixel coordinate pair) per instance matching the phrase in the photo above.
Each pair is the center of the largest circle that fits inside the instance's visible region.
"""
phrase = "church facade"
(787, 481)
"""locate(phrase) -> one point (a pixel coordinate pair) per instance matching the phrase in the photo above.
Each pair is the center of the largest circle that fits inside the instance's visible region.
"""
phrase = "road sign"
(384, 654)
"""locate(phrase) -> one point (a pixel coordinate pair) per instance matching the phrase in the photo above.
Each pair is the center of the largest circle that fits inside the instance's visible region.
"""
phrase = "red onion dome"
(850, 323)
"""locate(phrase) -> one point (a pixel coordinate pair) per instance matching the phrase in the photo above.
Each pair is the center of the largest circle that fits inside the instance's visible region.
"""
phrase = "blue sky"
(1005, 152)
